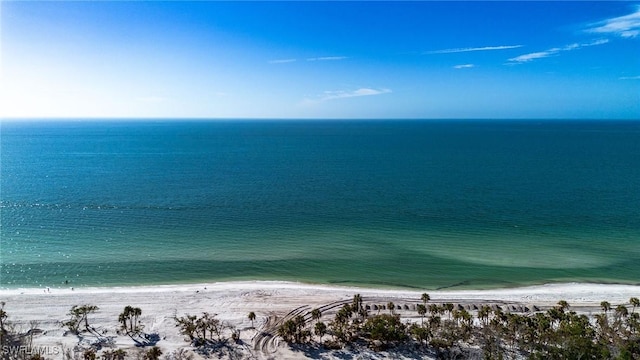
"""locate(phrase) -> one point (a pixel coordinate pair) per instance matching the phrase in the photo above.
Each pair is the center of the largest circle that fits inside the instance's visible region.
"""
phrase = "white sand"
(232, 301)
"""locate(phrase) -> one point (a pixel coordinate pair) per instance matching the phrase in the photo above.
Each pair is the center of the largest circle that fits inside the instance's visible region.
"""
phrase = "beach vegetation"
(79, 315)
(357, 308)
(422, 311)
(187, 325)
(635, 302)
(153, 353)
(129, 320)
(294, 330)
(251, 316)
(341, 327)
(235, 336)
(425, 298)
(489, 331)
(448, 308)
(320, 329)
(316, 314)
(89, 354)
(115, 354)
(15, 343)
(3, 325)
(179, 354)
(3, 318)
(391, 306)
(204, 330)
(419, 333)
(382, 331)
(485, 331)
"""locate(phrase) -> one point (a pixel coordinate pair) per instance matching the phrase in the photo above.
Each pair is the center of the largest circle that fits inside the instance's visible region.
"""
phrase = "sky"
(316, 59)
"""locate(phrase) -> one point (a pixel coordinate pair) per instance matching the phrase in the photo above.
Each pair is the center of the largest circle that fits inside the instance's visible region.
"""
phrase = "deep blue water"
(425, 204)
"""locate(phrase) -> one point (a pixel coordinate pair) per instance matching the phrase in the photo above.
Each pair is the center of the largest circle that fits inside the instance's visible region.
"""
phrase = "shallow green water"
(398, 204)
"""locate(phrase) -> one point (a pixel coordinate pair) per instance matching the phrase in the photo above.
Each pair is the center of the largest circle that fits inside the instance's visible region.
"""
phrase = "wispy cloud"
(282, 61)
(535, 55)
(629, 77)
(469, 49)
(321, 58)
(343, 94)
(327, 58)
(464, 66)
(553, 51)
(627, 26)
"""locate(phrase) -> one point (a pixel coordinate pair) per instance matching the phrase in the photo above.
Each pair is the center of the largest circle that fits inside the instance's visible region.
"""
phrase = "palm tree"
(129, 320)
(464, 321)
(434, 322)
(434, 309)
(153, 353)
(556, 315)
(425, 298)
(456, 315)
(606, 306)
(287, 330)
(622, 311)
(117, 354)
(466, 317)
(357, 303)
(251, 316)
(483, 314)
(316, 314)
(563, 305)
(358, 308)
(320, 329)
(364, 313)
(422, 310)
(300, 334)
(391, 306)
(602, 321)
(344, 314)
(449, 308)
(635, 302)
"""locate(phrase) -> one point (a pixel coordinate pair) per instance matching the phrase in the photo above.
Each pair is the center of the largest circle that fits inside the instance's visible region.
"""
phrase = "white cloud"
(484, 48)
(629, 77)
(282, 61)
(535, 55)
(327, 58)
(342, 94)
(627, 26)
(464, 66)
(322, 58)
(596, 42)
(554, 51)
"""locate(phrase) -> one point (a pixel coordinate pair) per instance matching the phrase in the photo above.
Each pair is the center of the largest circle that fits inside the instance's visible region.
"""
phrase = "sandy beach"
(44, 309)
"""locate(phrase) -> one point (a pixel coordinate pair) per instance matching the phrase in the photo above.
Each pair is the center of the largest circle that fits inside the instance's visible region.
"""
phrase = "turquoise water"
(415, 204)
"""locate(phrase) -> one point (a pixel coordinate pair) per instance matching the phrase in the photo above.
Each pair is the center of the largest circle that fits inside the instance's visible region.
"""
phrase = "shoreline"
(543, 292)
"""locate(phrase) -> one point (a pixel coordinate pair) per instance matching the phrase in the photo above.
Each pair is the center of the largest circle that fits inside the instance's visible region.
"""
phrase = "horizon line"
(314, 119)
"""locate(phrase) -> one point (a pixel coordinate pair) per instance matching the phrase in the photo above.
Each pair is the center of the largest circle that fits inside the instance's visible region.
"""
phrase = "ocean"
(395, 204)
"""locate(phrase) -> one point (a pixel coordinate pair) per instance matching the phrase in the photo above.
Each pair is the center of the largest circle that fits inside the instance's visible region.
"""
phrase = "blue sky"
(420, 59)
